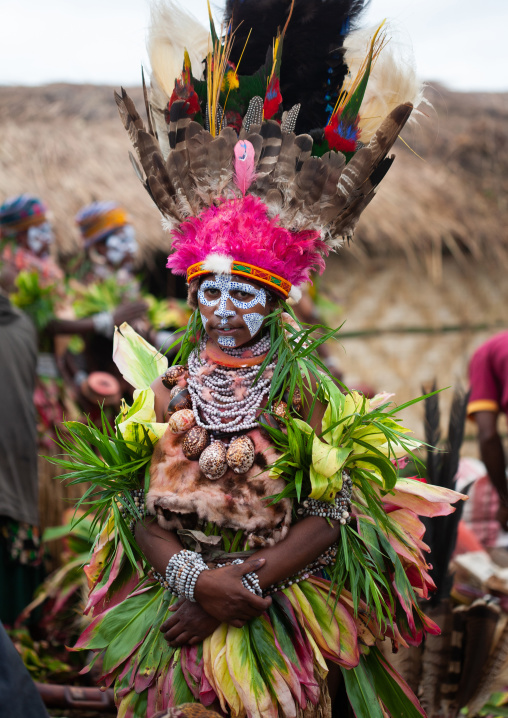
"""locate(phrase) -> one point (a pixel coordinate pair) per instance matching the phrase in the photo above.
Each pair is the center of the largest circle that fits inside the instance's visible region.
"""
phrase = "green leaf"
(360, 692)
(328, 460)
(390, 687)
(138, 361)
(319, 484)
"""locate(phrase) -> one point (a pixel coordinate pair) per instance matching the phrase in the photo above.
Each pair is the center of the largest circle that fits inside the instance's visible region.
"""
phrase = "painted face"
(121, 246)
(232, 311)
(39, 238)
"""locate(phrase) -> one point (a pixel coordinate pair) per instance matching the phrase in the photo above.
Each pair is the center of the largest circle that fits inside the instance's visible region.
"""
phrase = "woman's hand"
(189, 624)
(221, 594)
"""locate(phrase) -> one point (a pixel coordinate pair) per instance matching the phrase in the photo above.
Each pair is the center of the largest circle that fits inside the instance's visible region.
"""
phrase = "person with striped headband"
(109, 239)
(272, 543)
(24, 220)
(26, 238)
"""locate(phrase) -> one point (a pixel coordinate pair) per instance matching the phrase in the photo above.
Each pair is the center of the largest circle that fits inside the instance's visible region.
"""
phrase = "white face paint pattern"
(121, 244)
(253, 322)
(227, 341)
(40, 237)
(225, 284)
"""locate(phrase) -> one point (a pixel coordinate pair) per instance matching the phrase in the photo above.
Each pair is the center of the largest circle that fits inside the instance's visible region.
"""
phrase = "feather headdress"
(242, 192)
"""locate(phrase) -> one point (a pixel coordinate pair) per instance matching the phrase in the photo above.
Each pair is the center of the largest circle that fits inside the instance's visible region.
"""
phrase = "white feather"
(218, 263)
(172, 31)
(168, 225)
(393, 79)
(295, 293)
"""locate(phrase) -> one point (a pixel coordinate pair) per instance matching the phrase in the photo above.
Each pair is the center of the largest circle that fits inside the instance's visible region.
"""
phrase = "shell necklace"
(223, 399)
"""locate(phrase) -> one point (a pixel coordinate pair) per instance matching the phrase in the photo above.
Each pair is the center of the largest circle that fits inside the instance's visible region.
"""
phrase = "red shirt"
(488, 376)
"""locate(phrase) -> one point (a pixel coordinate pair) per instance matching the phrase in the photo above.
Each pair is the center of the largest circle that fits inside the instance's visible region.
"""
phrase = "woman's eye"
(212, 292)
(243, 296)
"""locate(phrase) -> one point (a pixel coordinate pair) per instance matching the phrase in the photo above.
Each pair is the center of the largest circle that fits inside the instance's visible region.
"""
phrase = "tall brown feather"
(130, 117)
(178, 123)
(310, 182)
(198, 141)
(272, 140)
(161, 198)
(219, 168)
(175, 197)
(285, 167)
(364, 172)
(147, 105)
(481, 621)
(493, 676)
(257, 142)
(183, 190)
(328, 202)
(436, 657)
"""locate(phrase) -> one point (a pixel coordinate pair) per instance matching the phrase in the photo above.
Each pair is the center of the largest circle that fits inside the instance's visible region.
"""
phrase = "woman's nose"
(225, 308)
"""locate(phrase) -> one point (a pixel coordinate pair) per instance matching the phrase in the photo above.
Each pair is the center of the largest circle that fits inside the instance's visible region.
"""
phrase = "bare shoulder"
(162, 398)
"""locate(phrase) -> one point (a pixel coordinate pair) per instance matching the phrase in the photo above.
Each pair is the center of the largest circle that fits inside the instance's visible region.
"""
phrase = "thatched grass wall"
(430, 251)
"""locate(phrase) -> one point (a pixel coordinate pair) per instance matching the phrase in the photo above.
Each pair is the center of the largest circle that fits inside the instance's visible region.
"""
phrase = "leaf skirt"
(272, 666)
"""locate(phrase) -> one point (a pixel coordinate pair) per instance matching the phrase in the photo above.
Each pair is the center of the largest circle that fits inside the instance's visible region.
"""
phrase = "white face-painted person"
(232, 311)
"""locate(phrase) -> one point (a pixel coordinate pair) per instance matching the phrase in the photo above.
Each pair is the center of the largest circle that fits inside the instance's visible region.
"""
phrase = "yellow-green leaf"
(326, 459)
(319, 484)
(141, 414)
(138, 361)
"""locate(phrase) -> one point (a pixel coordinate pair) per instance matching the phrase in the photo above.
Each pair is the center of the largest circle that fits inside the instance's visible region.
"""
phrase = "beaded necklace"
(226, 393)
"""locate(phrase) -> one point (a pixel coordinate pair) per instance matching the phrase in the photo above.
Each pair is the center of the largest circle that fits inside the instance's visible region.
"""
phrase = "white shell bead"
(182, 420)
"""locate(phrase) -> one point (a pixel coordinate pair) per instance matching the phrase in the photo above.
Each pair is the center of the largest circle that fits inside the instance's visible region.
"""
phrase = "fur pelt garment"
(180, 494)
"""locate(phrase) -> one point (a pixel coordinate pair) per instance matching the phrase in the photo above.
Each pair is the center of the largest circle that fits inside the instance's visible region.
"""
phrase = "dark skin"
(127, 312)
(492, 455)
(220, 594)
(236, 327)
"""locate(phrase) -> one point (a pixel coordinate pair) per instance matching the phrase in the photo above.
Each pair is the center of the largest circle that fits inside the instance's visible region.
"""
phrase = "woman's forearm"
(157, 544)
(305, 541)
(70, 326)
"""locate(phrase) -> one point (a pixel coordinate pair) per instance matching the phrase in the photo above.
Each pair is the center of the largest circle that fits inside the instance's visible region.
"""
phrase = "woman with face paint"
(265, 561)
(109, 244)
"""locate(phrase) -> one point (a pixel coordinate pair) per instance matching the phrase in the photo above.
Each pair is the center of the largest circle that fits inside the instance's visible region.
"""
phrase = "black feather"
(432, 432)
(441, 531)
(313, 68)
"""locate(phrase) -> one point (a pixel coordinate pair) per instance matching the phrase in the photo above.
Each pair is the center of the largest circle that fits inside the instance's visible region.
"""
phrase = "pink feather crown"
(241, 231)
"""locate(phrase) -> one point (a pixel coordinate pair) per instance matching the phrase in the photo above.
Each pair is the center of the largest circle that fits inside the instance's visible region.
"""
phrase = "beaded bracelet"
(104, 324)
(325, 559)
(250, 580)
(182, 573)
(138, 497)
(338, 511)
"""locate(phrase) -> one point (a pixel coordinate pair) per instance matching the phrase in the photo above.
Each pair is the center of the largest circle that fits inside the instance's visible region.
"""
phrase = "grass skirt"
(274, 665)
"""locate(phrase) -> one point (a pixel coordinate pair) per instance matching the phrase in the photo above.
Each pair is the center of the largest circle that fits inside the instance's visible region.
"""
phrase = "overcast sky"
(102, 41)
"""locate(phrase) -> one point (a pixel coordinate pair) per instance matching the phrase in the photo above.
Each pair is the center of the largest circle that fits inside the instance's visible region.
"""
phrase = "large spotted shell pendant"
(172, 375)
(281, 412)
(181, 400)
(182, 420)
(212, 461)
(240, 454)
(195, 442)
